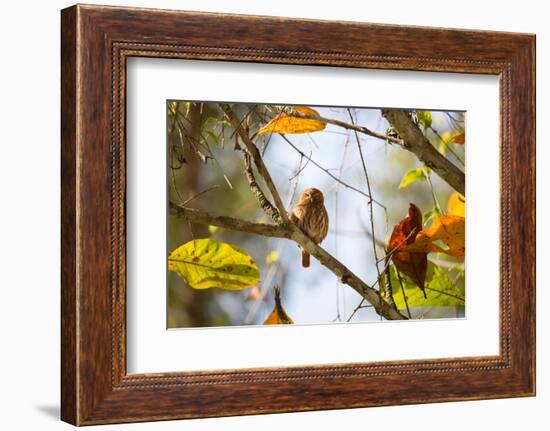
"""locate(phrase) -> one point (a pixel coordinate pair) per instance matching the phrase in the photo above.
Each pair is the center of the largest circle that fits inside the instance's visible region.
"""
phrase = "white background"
(151, 348)
(29, 216)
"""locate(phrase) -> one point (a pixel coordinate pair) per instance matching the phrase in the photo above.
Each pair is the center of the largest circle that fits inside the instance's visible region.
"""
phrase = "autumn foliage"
(217, 254)
(448, 230)
(285, 123)
(411, 263)
(278, 316)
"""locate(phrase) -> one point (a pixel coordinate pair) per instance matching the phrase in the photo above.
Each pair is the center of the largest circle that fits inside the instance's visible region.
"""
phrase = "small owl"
(311, 216)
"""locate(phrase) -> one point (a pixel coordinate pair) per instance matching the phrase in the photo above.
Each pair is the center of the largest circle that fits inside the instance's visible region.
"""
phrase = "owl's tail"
(305, 259)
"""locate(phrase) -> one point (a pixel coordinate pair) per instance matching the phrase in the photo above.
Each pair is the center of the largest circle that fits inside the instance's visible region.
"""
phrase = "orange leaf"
(456, 205)
(449, 229)
(459, 139)
(278, 316)
(413, 264)
(284, 123)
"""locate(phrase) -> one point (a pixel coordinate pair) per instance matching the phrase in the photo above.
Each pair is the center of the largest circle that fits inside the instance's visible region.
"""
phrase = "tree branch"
(204, 218)
(291, 231)
(258, 192)
(258, 161)
(415, 141)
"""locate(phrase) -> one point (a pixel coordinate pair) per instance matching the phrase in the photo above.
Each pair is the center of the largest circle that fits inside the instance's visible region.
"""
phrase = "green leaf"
(213, 137)
(206, 263)
(213, 121)
(424, 118)
(440, 290)
(412, 176)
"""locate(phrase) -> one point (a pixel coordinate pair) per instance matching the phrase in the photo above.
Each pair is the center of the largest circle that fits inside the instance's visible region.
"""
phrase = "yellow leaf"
(284, 123)
(206, 263)
(446, 137)
(278, 316)
(456, 205)
(447, 229)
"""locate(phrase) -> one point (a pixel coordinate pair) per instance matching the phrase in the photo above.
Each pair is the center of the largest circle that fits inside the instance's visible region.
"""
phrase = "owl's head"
(312, 195)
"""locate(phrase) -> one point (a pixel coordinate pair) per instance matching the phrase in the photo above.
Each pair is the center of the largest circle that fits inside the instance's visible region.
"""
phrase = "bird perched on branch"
(311, 216)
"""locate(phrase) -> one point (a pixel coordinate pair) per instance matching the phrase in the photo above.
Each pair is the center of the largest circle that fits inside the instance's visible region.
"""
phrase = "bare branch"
(415, 141)
(258, 161)
(204, 218)
(192, 198)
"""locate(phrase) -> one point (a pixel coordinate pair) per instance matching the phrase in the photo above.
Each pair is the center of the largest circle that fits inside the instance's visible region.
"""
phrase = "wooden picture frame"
(95, 43)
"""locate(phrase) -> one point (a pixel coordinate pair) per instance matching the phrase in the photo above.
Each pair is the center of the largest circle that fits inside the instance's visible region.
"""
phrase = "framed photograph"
(252, 205)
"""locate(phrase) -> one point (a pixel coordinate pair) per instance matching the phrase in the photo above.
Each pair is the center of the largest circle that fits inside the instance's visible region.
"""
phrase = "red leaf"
(413, 264)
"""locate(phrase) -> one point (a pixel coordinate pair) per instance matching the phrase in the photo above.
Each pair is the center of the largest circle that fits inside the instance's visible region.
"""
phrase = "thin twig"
(403, 293)
(334, 177)
(436, 133)
(300, 169)
(173, 178)
(434, 197)
(446, 293)
(359, 307)
(369, 203)
(338, 284)
(209, 189)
